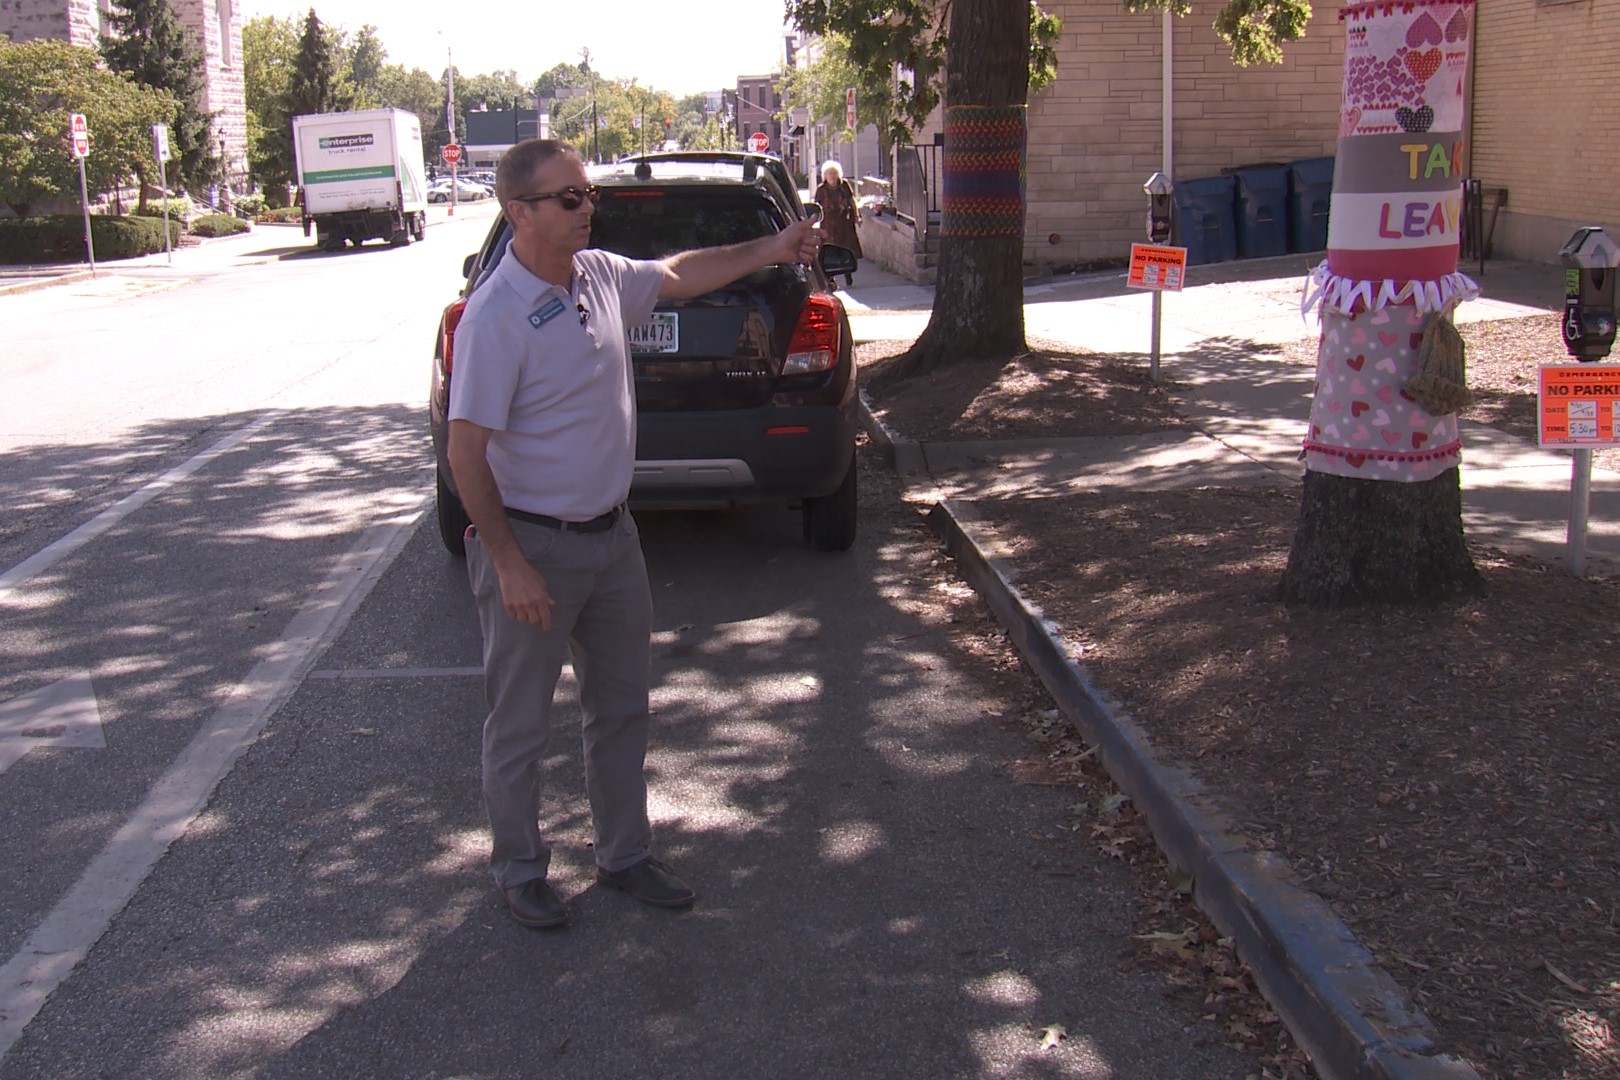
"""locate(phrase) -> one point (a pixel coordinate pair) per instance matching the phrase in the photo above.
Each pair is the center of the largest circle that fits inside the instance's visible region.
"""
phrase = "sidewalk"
(1248, 409)
(262, 243)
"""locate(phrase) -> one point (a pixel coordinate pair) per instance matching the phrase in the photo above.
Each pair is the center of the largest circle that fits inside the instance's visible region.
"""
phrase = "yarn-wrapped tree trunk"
(1380, 515)
(978, 310)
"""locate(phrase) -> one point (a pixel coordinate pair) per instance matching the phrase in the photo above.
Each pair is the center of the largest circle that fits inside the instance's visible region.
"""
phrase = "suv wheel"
(453, 519)
(829, 520)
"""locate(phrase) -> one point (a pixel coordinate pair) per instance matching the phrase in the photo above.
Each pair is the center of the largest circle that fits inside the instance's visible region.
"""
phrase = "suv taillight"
(815, 343)
(452, 319)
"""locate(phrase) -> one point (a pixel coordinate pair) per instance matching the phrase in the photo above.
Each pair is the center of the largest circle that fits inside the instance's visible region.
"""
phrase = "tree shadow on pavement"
(834, 766)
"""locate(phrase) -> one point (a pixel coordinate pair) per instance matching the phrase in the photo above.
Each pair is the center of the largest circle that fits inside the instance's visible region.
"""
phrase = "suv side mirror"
(837, 259)
(812, 211)
(467, 264)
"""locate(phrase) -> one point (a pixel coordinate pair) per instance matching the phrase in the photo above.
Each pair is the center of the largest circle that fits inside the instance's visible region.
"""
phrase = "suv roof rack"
(750, 160)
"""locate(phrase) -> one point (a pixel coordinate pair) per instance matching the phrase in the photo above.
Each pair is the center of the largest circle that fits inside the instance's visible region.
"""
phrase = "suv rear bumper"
(744, 455)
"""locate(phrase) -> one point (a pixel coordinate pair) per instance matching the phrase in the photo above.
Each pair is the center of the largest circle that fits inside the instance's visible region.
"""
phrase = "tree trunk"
(1363, 541)
(979, 294)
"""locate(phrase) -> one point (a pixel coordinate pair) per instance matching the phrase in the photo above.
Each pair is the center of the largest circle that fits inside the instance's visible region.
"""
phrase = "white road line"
(68, 931)
(47, 557)
(399, 673)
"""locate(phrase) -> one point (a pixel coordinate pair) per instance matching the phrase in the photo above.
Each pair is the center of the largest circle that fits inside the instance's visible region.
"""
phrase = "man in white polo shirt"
(542, 446)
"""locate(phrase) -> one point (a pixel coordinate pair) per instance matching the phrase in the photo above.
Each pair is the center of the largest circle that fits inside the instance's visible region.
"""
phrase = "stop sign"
(79, 128)
(451, 153)
(759, 142)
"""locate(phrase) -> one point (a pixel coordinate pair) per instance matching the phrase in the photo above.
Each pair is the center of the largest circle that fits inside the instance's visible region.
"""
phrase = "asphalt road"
(239, 710)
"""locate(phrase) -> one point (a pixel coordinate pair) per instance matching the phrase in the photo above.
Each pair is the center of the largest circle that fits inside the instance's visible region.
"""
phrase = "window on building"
(222, 9)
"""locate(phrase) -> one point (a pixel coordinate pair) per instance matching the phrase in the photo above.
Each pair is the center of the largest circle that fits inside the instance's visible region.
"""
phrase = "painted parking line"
(50, 555)
(68, 931)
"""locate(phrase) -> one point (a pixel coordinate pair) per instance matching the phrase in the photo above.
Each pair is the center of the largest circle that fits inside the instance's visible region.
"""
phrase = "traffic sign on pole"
(79, 128)
(849, 108)
(759, 142)
(451, 153)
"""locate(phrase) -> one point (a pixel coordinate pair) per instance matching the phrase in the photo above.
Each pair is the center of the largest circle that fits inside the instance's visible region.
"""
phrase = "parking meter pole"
(84, 202)
(1590, 259)
(1580, 490)
(1158, 317)
(163, 182)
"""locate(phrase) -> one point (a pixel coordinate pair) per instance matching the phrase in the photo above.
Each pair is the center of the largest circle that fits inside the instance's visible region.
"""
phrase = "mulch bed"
(1446, 778)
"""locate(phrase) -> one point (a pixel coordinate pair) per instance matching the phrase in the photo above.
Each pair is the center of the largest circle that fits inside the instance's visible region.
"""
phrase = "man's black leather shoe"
(651, 882)
(534, 905)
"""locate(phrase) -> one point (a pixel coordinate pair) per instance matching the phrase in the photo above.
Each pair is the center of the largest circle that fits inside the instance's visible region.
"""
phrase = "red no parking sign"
(79, 128)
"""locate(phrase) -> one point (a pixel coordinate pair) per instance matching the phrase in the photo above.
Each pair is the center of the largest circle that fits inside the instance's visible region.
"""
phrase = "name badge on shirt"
(546, 312)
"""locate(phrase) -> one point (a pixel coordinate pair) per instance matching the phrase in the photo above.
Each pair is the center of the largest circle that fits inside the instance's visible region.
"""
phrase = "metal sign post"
(854, 135)
(1578, 407)
(79, 130)
(160, 150)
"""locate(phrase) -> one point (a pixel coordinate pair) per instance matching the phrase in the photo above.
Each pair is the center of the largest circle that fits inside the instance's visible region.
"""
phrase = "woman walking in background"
(840, 217)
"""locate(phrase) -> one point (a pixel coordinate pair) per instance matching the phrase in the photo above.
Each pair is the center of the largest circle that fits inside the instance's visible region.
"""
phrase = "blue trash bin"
(1205, 222)
(1262, 211)
(1310, 195)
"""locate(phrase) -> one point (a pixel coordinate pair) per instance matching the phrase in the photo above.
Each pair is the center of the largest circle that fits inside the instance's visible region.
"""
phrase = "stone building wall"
(217, 25)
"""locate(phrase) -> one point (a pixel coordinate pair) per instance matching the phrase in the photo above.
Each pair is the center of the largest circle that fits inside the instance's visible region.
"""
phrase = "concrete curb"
(903, 456)
(38, 283)
(1348, 1014)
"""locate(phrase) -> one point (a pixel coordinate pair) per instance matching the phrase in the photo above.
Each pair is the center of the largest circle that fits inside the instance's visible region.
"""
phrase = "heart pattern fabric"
(1424, 31)
(1388, 436)
(1415, 120)
(1403, 67)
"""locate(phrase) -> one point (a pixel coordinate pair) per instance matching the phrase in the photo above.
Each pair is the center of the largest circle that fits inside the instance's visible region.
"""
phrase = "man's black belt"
(597, 524)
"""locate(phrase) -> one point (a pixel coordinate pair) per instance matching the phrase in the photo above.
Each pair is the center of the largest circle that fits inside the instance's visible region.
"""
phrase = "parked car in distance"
(466, 191)
(743, 395)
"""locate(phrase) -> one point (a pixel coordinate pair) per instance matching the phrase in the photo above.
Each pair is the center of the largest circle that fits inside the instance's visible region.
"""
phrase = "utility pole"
(585, 62)
(450, 117)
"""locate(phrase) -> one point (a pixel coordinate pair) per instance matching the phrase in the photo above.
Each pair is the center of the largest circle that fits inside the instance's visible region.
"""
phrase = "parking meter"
(1591, 260)
(1159, 188)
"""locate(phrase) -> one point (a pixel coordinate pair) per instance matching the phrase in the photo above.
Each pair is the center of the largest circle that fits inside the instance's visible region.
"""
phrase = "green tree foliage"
(315, 82)
(413, 90)
(148, 43)
(41, 83)
(877, 35)
(619, 108)
(562, 77)
(1256, 29)
(269, 46)
(367, 60)
(498, 90)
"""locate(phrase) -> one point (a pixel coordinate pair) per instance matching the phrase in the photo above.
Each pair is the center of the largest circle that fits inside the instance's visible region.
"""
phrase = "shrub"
(217, 225)
(180, 209)
(60, 237)
(283, 213)
(249, 204)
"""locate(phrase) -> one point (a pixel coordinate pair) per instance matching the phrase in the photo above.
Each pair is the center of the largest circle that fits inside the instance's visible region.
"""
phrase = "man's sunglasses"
(569, 198)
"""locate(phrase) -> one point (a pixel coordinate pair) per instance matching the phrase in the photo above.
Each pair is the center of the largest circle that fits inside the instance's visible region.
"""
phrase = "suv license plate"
(659, 334)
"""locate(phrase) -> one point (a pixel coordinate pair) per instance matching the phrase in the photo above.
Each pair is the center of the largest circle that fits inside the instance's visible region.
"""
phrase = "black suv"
(744, 394)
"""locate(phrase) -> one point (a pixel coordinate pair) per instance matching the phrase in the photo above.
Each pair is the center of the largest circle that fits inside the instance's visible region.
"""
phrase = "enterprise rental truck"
(361, 176)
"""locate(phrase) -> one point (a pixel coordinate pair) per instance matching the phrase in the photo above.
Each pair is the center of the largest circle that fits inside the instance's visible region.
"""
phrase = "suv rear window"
(654, 223)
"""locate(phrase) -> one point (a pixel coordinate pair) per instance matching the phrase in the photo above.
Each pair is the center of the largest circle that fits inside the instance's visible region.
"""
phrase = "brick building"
(1096, 134)
(216, 25)
(758, 102)
(1543, 121)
